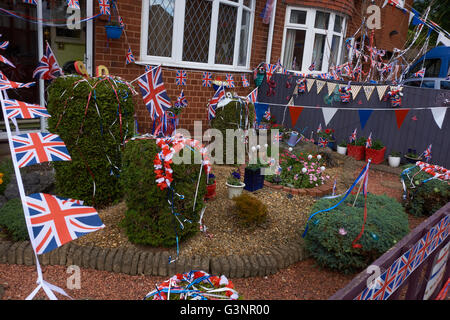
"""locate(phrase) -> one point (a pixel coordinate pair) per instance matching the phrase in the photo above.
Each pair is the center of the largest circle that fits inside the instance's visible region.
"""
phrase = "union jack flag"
(73, 4)
(278, 137)
(181, 101)
(427, 153)
(267, 115)
(230, 81)
(253, 96)
(105, 7)
(353, 136)
(319, 129)
(369, 141)
(312, 67)
(245, 82)
(4, 45)
(38, 147)
(30, 1)
(48, 67)
(8, 84)
(56, 221)
(181, 78)
(154, 93)
(387, 282)
(322, 142)
(6, 61)
(23, 110)
(270, 69)
(130, 56)
(420, 73)
(207, 79)
(122, 24)
(212, 106)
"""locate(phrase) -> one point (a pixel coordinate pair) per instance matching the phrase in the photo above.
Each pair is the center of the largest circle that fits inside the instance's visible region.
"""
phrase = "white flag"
(328, 114)
(439, 115)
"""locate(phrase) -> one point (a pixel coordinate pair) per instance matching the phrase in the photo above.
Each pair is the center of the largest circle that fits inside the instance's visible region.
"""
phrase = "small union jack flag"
(130, 56)
(270, 70)
(230, 81)
(278, 137)
(122, 24)
(181, 101)
(73, 4)
(48, 67)
(427, 153)
(212, 106)
(6, 61)
(312, 67)
(4, 45)
(369, 141)
(322, 142)
(56, 221)
(38, 147)
(420, 73)
(207, 79)
(319, 129)
(23, 110)
(181, 78)
(105, 7)
(8, 84)
(353, 136)
(154, 93)
(267, 115)
(253, 96)
(30, 1)
(245, 82)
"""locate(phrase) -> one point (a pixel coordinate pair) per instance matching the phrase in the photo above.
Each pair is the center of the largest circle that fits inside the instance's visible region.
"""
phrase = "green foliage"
(13, 220)
(7, 168)
(343, 144)
(377, 145)
(149, 219)
(395, 153)
(250, 210)
(386, 224)
(361, 141)
(424, 199)
(101, 136)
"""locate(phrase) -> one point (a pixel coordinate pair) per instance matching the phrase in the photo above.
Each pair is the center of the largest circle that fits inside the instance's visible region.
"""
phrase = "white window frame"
(311, 31)
(178, 33)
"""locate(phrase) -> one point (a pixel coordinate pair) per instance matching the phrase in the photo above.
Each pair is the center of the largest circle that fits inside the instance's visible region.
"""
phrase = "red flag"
(401, 115)
(295, 113)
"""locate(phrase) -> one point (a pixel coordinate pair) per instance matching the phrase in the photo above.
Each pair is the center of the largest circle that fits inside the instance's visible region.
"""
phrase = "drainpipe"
(270, 36)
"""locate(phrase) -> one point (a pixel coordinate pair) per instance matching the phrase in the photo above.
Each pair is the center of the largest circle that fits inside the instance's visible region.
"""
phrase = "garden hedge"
(12, 219)
(100, 138)
(149, 219)
(386, 224)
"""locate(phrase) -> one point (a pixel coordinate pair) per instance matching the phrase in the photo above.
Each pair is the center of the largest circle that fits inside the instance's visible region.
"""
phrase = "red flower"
(327, 131)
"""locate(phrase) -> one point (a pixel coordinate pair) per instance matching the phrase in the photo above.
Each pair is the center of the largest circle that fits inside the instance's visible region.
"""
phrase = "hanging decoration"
(395, 96)
(181, 78)
(346, 94)
(245, 82)
(207, 79)
(301, 85)
(130, 57)
(105, 7)
(400, 115)
(229, 80)
(295, 112)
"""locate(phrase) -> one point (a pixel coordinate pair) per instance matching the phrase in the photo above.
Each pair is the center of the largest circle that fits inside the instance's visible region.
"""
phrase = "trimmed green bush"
(12, 219)
(425, 198)
(101, 136)
(7, 168)
(149, 219)
(386, 224)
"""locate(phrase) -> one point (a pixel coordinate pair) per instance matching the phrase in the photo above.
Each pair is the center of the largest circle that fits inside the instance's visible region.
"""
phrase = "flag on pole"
(154, 93)
(369, 141)
(4, 45)
(420, 73)
(181, 101)
(48, 67)
(130, 56)
(319, 129)
(312, 67)
(253, 96)
(427, 153)
(212, 105)
(6, 61)
(353, 136)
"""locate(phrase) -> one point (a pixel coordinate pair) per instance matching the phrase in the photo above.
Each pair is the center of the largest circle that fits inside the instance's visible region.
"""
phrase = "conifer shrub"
(149, 219)
(330, 234)
(13, 220)
(94, 140)
(7, 168)
(250, 210)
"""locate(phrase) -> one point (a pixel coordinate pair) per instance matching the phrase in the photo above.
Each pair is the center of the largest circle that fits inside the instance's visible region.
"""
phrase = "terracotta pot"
(210, 191)
(356, 152)
(377, 156)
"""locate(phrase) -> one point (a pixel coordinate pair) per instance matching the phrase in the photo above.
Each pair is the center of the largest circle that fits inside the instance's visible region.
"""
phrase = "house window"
(312, 36)
(203, 34)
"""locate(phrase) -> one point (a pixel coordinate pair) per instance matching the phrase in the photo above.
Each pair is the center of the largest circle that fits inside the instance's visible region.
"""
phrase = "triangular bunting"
(309, 83)
(355, 90)
(368, 90)
(328, 114)
(320, 84)
(331, 86)
(381, 90)
(295, 113)
(364, 115)
(439, 115)
(401, 115)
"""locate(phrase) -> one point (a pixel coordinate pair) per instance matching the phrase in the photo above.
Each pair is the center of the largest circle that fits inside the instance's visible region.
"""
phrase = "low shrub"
(7, 168)
(13, 220)
(250, 210)
(330, 234)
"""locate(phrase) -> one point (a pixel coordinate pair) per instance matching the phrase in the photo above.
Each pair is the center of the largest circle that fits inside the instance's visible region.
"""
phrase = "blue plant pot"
(253, 179)
(113, 32)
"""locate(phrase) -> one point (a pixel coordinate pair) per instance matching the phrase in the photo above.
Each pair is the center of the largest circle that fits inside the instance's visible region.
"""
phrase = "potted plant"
(342, 148)
(412, 156)
(394, 159)
(113, 30)
(376, 152)
(253, 177)
(234, 184)
(211, 187)
(357, 149)
(328, 135)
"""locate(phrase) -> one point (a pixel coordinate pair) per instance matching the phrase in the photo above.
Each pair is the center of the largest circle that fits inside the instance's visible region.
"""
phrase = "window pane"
(334, 50)
(428, 84)
(226, 29)
(197, 24)
(432, 68)
(445, 85)
(322, 19)
(338, 24)
(298, 17)
(243, 46)
(160, 28)
(318, 50)
(248, 3)
(294, 47)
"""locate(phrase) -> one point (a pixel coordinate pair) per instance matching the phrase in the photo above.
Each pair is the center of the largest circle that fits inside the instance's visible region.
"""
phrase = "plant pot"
(253, 179)
(341, 150)
(377, 156)
(412, 159)
(234, 191)
(394, 161)
(113, 32)
(356, 152)
(332, 144)
(210, 191)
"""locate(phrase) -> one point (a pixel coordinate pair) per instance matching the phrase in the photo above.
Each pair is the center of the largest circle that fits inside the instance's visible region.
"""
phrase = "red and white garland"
(434, 170)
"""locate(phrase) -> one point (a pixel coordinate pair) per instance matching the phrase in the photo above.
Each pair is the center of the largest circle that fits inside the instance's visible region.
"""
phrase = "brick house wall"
(112, 53)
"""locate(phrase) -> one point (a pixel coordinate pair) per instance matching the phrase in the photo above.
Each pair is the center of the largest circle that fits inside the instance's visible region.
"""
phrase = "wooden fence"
(416, 268)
